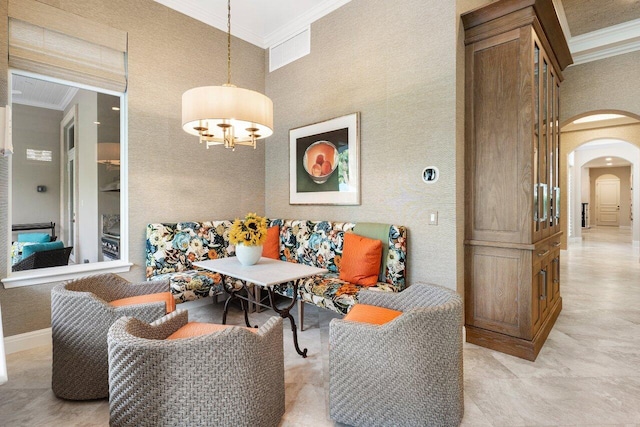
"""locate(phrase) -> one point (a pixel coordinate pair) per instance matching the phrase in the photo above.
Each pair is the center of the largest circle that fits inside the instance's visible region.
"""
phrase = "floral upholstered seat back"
(317, 243)
(174, 247)
(320, 243)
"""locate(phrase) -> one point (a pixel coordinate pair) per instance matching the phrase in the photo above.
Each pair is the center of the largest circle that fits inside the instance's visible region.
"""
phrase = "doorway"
(68, 172)
(608, 201)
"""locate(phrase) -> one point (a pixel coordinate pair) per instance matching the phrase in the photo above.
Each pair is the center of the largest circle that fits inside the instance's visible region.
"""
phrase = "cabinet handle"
(543, 276)
(555, 244)
(545, 201)
(536, 208)
(557, 198)
(541, 254)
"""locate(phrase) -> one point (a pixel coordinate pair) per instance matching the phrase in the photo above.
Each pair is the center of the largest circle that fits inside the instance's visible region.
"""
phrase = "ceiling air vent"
(293, 48)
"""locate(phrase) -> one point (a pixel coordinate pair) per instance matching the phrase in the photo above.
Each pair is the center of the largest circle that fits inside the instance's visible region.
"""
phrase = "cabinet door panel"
(496, 299)
(498, 156)
(539, 293)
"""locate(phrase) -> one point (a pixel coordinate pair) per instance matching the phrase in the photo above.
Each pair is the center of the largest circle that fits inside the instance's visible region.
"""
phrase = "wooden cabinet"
(515, 54)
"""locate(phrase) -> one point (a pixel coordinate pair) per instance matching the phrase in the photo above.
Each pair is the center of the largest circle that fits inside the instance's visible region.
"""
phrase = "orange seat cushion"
(371, 314)
(196, 329)
(271, 247)
(361, 259)
(167, 297)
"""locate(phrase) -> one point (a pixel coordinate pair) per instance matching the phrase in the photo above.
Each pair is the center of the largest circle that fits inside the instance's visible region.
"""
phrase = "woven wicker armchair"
(80, 320)
(232, 377)
(407, 372)
(44, 259)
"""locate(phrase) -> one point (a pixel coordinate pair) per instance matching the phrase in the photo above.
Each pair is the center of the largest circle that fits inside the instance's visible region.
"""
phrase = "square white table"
(265, 273)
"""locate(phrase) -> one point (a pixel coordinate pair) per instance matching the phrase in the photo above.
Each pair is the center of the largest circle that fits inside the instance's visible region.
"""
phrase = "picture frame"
(324, 162)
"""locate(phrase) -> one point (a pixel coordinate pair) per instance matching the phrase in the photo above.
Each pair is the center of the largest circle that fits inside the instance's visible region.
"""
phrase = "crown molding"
(610, 41)
(303, 21)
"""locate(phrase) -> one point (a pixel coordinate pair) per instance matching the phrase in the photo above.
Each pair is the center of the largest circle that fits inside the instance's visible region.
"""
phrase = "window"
(67, 168)
(83, 188)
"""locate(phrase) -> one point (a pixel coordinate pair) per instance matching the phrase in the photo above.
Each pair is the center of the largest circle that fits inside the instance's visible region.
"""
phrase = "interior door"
(69, 184)
(608, 202)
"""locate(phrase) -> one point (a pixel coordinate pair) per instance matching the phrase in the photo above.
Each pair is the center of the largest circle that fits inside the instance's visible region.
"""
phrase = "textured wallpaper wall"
(171, 176)
(395, 63)
(607, 84)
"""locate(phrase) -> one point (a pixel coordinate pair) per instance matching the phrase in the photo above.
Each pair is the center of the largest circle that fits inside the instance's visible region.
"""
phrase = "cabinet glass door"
(541, 142)
(544, 147)
(554, 156)
(536, 142)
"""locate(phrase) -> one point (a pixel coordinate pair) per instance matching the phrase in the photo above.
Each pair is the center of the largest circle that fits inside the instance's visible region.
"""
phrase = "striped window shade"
(56, 43)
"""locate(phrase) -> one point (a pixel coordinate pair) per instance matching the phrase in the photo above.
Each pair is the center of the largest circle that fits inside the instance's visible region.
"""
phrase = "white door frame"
(624, 150)
(69, 225)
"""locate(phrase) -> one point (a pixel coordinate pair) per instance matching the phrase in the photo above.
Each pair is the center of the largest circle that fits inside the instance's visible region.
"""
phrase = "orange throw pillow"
(196, 329)
(371, 314)
(167, 297)
(271, 247)
(361, 259)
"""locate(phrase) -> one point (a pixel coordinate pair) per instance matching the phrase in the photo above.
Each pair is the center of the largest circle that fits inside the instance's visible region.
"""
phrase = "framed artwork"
(324, 162)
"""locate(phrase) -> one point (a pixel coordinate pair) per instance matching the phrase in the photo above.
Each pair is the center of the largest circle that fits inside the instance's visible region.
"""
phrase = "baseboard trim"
(27, 341)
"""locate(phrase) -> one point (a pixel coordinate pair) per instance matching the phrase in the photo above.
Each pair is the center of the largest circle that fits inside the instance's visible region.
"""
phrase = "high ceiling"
(262, 22)
(595, 28)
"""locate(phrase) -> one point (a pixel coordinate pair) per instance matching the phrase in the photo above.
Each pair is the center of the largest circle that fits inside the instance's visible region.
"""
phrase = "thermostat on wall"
(430, 174)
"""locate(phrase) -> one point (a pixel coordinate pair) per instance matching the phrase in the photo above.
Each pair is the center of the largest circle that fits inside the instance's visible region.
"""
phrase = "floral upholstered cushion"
(317, 243)
(16, 252)
(321, 243)
(173, 248)
(194, 284)
(328, 291)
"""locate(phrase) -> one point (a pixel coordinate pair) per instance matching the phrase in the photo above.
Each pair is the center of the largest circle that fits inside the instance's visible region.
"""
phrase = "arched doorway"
(588, 145)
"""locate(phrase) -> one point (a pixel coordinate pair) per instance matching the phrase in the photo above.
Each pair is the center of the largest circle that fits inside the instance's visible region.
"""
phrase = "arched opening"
(596, 144)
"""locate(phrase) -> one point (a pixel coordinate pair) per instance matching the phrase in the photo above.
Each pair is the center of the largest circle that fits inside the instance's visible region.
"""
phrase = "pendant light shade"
(208, 111)
(227, 115)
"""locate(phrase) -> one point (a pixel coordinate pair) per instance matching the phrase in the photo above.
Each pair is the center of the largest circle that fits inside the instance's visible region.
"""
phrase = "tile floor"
(587, 374)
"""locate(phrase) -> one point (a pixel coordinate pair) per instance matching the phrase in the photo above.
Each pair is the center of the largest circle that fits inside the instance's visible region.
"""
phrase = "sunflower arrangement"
(252, 231)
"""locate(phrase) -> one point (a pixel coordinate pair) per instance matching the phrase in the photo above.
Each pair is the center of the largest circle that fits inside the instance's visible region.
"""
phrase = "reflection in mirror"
(65, 174)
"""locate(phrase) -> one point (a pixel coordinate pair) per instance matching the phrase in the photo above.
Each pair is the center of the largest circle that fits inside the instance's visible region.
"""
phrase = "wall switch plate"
(433, 218)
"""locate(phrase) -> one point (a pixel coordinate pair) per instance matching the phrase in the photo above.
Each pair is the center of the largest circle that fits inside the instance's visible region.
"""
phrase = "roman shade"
(53, 42)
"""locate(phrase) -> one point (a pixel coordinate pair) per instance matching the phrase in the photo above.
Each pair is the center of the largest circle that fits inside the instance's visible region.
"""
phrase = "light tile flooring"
(587, 374)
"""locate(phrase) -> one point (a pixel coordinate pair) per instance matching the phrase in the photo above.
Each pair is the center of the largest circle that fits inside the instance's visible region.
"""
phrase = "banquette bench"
(172, 248)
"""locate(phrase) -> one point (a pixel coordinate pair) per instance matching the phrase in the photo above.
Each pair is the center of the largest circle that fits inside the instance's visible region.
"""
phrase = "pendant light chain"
(229, 42)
